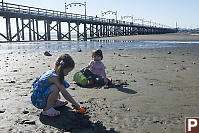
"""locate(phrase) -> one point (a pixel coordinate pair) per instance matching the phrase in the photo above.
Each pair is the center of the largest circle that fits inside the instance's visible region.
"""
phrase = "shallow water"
(57, 46)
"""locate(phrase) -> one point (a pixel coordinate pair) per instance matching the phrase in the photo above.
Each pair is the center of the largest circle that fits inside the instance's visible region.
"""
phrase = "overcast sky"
(167, 12)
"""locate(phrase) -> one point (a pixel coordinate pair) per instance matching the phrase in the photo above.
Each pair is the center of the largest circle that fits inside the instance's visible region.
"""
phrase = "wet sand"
(161, 37)
(154, 90)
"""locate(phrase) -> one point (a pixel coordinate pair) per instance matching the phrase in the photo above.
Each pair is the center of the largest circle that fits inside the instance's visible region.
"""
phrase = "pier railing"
(33, 11)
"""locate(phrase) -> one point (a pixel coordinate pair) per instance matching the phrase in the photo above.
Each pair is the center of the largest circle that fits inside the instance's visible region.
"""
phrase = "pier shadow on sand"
(70, 121)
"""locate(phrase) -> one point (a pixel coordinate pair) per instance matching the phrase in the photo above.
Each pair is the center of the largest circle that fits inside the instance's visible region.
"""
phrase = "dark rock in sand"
(182, 68)
(124, 83)
(27, 122)
(72, 88)
(122, 106)
(2, 111)
(25, 112)
(30, 122)
(14, 71)
(120, 83)
(150, 83)
(134, 81)
(46, 53)
(12, 82)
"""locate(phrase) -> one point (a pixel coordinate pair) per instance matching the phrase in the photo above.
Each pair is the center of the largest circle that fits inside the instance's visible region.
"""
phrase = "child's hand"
(83, 69)
(77, 107)
(79, 110)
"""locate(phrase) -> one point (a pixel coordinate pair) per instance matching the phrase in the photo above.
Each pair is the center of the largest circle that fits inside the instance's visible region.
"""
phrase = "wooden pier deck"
(28, 18)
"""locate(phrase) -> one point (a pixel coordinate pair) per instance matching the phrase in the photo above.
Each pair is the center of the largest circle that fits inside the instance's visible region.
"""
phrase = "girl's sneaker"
(109, 80)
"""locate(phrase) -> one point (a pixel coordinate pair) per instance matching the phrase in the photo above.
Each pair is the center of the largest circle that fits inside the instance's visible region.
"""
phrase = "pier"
(28, 19)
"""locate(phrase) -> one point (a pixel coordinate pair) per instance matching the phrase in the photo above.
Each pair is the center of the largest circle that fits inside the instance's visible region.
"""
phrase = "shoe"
(51, 112)
(109, 80)
(59, 103)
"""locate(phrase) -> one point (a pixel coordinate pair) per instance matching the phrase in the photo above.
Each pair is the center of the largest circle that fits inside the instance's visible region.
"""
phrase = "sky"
(166, 12)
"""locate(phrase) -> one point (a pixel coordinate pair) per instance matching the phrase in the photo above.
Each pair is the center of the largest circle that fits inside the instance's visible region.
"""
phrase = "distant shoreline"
(152, 37)
(155, 37)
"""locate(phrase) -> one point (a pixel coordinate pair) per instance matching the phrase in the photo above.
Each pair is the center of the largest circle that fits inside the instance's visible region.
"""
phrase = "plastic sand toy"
(80, 79)
(81, 111)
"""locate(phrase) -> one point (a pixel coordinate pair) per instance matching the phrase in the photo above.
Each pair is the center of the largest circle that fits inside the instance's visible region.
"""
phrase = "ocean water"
(57, 46)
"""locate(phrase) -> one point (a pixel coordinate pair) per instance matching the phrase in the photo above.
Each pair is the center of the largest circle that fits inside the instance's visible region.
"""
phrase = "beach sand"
(154, 90)
(183, 36)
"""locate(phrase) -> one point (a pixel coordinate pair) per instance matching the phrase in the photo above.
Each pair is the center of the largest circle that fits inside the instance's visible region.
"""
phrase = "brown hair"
(97, 52)
(62, 62)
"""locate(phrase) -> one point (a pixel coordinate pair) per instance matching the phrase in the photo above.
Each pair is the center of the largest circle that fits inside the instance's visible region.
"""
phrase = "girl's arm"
(89, 65)
(104, 75)
(103, 70)
(64, 92)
